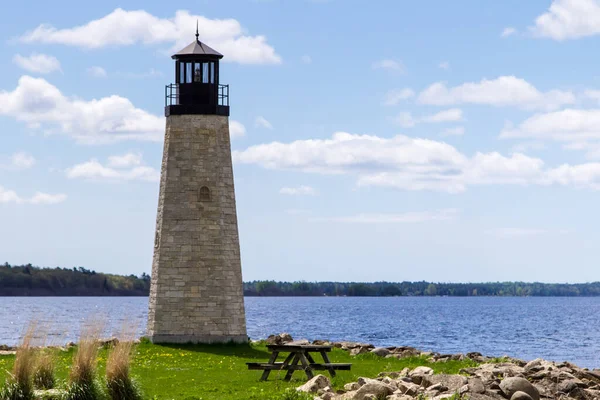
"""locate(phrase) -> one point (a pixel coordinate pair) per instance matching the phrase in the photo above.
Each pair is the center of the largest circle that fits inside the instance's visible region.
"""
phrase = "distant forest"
(27, 280)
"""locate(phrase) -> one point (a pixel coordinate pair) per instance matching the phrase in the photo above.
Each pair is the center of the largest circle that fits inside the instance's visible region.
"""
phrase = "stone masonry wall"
(197, 292)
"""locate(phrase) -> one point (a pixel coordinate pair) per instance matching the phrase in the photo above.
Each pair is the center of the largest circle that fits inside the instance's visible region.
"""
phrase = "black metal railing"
(224, 95)
(178, 94)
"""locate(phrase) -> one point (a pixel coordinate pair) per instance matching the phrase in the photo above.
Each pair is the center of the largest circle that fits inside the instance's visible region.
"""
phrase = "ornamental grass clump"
(119, 384)
(20, 384)
(44, 374)
(83, 380)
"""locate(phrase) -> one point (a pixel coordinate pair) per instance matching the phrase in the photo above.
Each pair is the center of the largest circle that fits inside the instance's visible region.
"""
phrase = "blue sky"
(396, 140)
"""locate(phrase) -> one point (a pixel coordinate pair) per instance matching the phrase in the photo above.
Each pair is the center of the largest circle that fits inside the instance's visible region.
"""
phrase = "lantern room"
(197, 89)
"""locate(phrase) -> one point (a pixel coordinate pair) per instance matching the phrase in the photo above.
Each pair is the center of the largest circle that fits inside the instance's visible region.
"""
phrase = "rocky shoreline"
(493, 379)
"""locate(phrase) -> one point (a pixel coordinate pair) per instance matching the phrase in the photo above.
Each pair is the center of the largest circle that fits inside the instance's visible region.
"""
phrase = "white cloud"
(151, 73)
(306, 59)
(45, 198)
(105, 120)
(569, 125)
(22, 160)
(395, 96)
(126, 28)
(390, 65)
(37, 63)
(444, 65)
(592, 94)
(97, 72)
(298, 191)
(527, 146)
(10, 196)
(406, 120)
(262, 122)
(502, 91)
(508, 32)
(405, 218)
(523, 232)
(456, 131)
(236, 129)
(451, 115)
(127, 167)
(125, 160)
(569, 19)
(414, 164)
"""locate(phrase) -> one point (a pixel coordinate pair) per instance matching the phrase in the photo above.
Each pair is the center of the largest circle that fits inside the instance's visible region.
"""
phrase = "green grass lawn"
(204, 372)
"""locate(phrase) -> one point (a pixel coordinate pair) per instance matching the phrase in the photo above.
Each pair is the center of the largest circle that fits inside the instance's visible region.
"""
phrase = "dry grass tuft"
(83, 383)
(44, 377)
(20, 385)
(85, 359)
(119, 383)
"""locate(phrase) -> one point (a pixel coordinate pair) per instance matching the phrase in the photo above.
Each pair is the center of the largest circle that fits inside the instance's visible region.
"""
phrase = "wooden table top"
(298, 347)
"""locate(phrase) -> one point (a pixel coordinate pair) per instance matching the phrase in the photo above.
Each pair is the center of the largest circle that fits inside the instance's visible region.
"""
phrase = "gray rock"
(398, 396)
(408, 388)
(316, 383)
(520, 396)
(282, 338)
(358, 350)
(351, 386)
(510, 386)
(476, 385)
(381, 351)
(451, 382)
(567, 386)
(376, 389)
(421, 371)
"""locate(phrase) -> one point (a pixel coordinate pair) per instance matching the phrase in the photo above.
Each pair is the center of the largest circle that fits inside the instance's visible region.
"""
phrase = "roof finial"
(197, 34)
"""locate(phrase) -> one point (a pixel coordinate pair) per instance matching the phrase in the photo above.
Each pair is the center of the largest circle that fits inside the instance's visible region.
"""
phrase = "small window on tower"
(204, 194)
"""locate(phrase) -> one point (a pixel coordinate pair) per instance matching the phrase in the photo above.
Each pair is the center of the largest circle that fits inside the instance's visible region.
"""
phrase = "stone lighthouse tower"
(196, 293)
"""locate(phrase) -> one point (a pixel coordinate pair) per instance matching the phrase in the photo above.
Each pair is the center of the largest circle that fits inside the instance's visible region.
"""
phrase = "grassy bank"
(196, 372)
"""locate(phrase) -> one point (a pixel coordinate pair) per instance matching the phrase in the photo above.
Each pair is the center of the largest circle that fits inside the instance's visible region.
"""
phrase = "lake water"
(560, 329)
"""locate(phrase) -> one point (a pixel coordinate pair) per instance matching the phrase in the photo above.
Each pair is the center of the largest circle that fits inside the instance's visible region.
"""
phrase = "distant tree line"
(27, 280)
(381, 289)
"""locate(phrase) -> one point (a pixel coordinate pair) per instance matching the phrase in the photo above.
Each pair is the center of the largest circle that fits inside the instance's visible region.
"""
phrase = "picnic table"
(298, 359)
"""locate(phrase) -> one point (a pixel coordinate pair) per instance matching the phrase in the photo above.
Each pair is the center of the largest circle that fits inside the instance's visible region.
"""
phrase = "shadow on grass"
(245, 350)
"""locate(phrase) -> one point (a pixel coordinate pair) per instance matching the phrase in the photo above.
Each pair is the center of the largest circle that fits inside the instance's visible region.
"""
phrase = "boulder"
(282, 338)
(510, 386)
(520, 396)
(421, 371)
(417, 374)
(351, 386)
(451, 382)
(358, 350)
(373, 389)
(316, 383)
(108, 343)
(380, 351)
(409, 388)
(567, 386)
(476, 385)
(398, 396)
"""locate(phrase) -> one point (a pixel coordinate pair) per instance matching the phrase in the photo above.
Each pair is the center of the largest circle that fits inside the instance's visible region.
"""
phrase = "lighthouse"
(196, 293)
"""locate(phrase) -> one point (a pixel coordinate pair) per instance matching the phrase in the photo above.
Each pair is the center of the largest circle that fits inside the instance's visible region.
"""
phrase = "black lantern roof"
(197, 49)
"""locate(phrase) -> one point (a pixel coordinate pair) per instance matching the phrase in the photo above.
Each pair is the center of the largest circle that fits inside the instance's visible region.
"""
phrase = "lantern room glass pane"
(205, 73)
(197, 72)
(188, 72)
(181, 73)
(212, 72)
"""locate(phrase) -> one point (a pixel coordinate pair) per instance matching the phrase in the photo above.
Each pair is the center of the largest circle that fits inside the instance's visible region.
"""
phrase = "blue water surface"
(560, 329)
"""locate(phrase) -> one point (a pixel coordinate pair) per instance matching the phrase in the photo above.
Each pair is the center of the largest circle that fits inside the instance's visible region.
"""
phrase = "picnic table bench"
(299, 359)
